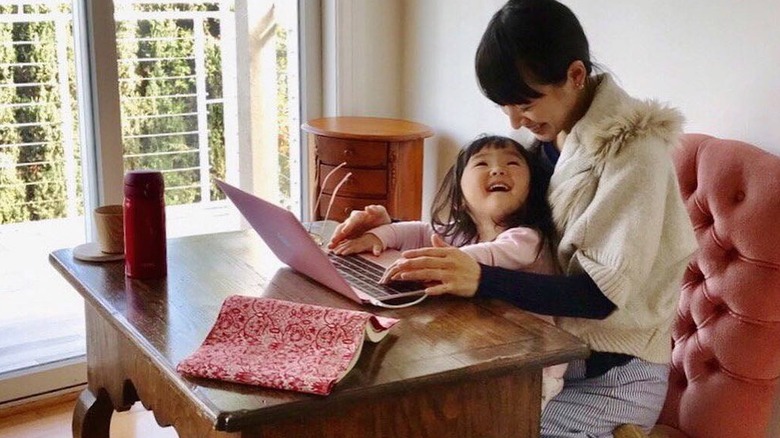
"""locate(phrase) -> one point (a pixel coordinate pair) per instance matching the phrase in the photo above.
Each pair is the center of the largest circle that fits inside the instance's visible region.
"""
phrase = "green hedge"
(32, 177)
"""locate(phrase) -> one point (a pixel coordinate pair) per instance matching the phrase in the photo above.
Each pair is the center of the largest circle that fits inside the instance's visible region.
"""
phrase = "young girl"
(492, 206)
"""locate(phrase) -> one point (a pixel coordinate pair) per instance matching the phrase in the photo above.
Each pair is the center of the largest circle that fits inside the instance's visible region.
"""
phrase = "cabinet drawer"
(343, 206)
(362, 182)
(357, 153)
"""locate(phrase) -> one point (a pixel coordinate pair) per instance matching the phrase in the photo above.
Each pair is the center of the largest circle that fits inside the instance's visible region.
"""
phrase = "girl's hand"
(449, 269)
(358, 222)
(364, 243)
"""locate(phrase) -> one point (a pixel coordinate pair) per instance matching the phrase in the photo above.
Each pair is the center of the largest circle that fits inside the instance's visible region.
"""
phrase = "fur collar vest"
(615, 121)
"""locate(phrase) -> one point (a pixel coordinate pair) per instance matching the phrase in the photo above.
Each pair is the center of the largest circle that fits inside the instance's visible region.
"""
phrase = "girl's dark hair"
(528, 41)
(450, 216)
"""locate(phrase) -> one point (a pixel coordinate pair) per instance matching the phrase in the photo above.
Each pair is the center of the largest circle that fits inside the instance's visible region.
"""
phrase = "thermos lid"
(145, 183)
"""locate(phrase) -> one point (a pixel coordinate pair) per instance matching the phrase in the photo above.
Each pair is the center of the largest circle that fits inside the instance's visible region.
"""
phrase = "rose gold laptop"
(355, 277)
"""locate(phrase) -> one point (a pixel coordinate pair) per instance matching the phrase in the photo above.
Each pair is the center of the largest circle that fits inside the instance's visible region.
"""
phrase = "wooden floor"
(53, 419)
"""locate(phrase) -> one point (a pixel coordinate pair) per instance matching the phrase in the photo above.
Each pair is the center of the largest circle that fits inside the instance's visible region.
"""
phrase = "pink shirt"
(516, 248)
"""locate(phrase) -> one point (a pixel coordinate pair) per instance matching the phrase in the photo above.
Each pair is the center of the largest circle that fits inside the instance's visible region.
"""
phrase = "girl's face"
(548, 115)
(495, 183)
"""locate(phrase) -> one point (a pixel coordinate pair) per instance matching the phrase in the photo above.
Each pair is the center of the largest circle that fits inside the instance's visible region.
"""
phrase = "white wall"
(361, 58)
(716, 60)
(439, 83)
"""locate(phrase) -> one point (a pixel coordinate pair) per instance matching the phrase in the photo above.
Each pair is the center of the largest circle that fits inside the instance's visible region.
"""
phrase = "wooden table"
(452, 367)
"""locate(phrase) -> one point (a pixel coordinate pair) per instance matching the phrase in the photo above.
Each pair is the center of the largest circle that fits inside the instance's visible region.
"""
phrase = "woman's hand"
(449, 269)
(358, 222)
(366, 242)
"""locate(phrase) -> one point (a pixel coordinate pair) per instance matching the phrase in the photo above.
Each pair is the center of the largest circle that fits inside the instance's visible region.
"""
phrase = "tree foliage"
(283, 111)
(32, 156)
(11, 189)
(158, 88)
(160, 80)
(159, 113)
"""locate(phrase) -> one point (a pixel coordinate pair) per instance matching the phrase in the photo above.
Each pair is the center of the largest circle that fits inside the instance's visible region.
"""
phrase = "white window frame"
(101, 140)
(310, 61)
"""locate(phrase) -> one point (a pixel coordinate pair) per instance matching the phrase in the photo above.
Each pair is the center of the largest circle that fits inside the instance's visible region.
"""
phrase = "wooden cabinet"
(384, 156)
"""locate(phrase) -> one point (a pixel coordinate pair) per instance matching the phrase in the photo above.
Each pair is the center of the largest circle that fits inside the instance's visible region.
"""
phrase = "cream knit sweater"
(621, 219)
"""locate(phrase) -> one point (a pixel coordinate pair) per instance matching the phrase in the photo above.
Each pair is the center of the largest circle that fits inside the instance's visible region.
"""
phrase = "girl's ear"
(577, 74)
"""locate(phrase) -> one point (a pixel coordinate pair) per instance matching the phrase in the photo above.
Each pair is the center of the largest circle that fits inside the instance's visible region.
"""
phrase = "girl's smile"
(495, 183)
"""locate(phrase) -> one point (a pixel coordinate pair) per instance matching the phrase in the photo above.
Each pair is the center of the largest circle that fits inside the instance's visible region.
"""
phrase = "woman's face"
(548, 115)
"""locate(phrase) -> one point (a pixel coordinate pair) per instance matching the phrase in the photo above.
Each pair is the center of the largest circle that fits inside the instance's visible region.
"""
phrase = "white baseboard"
(30, 384)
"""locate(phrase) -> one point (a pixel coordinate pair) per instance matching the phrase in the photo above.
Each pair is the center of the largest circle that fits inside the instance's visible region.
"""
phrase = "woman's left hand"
(447, 268)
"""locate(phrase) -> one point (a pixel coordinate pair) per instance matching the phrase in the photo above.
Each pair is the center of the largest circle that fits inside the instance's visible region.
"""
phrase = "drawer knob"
(348, 152)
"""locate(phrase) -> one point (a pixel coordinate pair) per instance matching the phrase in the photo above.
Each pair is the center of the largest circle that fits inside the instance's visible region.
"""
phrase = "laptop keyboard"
(365, 275)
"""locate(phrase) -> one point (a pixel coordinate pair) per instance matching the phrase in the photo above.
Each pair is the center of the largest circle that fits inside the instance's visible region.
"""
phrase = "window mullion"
(104, 139)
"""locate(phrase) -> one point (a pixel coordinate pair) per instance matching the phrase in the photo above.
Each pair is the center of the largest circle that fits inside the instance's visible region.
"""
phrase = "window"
(176, 72)
(41, 196)
(159, 89)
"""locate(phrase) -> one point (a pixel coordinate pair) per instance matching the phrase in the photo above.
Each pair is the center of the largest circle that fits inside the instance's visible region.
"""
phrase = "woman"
(624, 237)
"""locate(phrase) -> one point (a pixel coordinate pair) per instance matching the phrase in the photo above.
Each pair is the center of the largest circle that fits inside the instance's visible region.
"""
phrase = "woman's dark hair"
(450, 216)
(528, 41)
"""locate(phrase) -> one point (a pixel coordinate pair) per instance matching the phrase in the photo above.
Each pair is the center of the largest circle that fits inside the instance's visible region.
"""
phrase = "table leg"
(92, 415)
(120, 373)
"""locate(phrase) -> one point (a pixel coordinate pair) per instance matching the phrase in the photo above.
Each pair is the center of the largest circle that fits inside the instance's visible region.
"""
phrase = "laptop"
(356, 276)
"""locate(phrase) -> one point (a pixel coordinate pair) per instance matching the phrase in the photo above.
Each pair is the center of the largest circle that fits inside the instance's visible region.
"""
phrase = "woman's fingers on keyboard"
(391, 271)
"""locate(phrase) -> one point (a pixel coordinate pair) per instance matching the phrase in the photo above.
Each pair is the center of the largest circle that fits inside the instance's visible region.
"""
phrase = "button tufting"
(715, 365)
(682, 381)
(732, 254)
(692, 327)
(696, 276)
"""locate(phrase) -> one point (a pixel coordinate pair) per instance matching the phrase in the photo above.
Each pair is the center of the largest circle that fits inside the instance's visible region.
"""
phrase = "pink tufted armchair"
(726, 336)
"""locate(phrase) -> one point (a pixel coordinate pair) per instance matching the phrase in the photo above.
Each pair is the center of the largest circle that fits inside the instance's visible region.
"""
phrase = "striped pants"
(591, 408)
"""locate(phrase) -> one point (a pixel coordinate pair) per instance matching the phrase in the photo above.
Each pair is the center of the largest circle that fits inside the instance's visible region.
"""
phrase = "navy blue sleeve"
(555, 295)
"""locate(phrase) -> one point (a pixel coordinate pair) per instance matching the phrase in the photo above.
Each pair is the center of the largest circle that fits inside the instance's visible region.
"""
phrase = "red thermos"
(144, 210)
